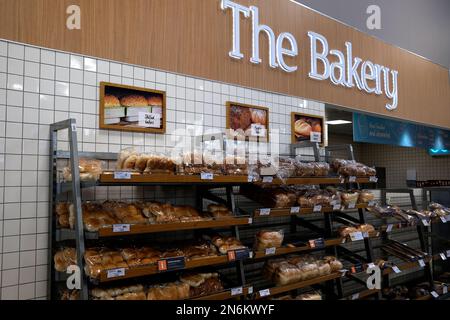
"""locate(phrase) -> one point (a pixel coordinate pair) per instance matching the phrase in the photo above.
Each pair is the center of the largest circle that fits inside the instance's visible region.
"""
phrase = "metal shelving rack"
(202, 191)
(75, 186)
(422, 231)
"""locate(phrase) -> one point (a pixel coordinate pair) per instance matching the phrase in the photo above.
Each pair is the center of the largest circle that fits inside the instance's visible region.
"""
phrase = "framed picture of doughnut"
(307, 127)
(247, 121)
(128, 108)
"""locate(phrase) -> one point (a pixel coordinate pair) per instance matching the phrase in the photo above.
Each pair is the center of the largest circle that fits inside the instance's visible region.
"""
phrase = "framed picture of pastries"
(247, 121)
(130, 108)
(307, 127)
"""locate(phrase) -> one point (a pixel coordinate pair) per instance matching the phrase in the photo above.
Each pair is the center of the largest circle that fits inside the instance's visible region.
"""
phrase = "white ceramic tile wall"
(40, 86)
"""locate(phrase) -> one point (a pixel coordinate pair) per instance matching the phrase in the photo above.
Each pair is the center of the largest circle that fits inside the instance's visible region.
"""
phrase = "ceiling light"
(337, 122)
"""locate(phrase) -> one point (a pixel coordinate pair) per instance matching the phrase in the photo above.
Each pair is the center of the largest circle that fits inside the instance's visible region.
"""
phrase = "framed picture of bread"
(307, 127)
(247, 121)
(130, 108)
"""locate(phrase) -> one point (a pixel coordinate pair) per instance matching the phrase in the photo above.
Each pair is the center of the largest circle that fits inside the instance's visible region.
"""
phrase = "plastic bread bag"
(303, 169)
(158, 163)
(269, 239)
(321, 169)
(285, 168)
(90, 170)
(126, 160)
(334, 263)
(365, 196)
(63, 258)
(349, 198)
(235, 165)
(280, 197)
(336, 164)
(309, 270)
(169, 291)
(288, 273)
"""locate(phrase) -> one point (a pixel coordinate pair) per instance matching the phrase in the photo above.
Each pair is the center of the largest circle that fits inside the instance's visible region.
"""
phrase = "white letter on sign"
(74, 20)
(257, 28)
(283, 51)
(237, 10)
(374, 280)
(322, 56)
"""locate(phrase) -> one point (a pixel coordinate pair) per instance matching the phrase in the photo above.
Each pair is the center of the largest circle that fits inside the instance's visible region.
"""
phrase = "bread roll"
(155, 101)
(269, 239)
(111, 101)
(134, 101)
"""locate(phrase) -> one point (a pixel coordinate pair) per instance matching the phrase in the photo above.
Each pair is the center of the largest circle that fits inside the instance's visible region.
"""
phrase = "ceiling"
(416, 25)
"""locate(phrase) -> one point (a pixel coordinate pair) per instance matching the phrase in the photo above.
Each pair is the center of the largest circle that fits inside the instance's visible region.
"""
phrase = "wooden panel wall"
(194, 37)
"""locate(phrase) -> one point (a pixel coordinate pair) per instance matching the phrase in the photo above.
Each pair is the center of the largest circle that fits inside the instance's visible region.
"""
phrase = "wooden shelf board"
(153, 269)
(298, 285)
(155, 228)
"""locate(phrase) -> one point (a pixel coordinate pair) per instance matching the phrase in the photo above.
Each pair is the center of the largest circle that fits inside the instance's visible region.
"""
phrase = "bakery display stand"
(423, 232)
(58, 236)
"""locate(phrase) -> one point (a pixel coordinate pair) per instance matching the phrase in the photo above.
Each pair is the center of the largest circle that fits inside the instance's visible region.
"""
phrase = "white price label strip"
(448, 253)
(425, 223)
(396, 269)
(389, 227)
(444, 220)
(421, 263)
(122, 175)
(317, 208)
(352, 205)
(316, 137)
(270, 251)
(444, 289)
(264, 293)
(251, 179)
(435, 294)
(237, 291)
(115, 273)
(355, 296)
(250, 220)
(352, 179)
(373, 179)
(207, 176)
(264, 212)
(267, 179)
(295, 210)
(118, 228)
(250, 290)
(356, 236)
(443, 256)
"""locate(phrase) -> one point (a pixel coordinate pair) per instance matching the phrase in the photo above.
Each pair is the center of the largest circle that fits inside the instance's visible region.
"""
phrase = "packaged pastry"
(159, 164)
(269, 239)
(285, 168)
(127, 159)
(195, 163)
(346, 231)
(334, 263)
(365, 197)
(134, 292)
(219, 211)
(90, 170)
(236, 166)
(199, 251)
(225, 244)
(304, 169)
(287, 273)
(102, 259)
(348, 198)
(62, 214)
(169, 291)
(202, 284)
(64, 258)
(321, 169)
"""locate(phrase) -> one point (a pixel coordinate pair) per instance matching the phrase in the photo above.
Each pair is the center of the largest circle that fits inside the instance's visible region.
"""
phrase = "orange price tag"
(231, 255)
(162, 265)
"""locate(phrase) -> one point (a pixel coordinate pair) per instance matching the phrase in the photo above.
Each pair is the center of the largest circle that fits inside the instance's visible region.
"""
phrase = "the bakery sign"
(340, 68)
